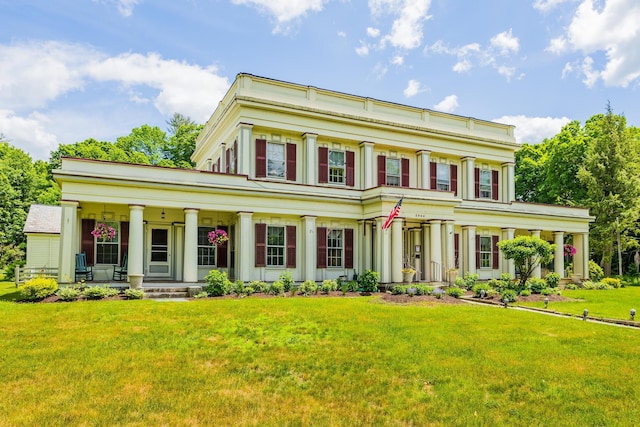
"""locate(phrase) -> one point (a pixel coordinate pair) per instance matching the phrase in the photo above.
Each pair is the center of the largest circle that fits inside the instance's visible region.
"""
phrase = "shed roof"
(43, 219)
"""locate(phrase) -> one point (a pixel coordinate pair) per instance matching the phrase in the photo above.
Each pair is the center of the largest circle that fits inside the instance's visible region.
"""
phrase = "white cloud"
(28, 133)
(612, 27)
(125, 7)
(507, 72)
(547, 5)
(533, 130)
(397, 60)
(462, 66)
(448, 105)
(342, 34)
(284, 11)
(505, 43)
(406, 29)
(363, 50)
(568, 69)
(413, 88)
(373, 32)
(557, 45)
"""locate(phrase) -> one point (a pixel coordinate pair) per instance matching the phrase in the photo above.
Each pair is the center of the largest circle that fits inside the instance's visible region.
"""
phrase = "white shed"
(42, 229)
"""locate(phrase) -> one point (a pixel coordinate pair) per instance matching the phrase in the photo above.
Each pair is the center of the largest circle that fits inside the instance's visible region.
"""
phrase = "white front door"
(159, 252)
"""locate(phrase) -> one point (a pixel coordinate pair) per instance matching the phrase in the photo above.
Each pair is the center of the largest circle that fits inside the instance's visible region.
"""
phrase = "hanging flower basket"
(569, 250)
(218, 237)
(104, 232)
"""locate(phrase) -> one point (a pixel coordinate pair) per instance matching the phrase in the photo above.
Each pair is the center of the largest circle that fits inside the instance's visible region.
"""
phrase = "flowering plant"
(104, 232)
(408, 270)
(569, 250)
(218, 237)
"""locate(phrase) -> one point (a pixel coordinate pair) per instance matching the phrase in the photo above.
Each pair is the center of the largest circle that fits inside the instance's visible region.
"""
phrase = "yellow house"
(302, 179)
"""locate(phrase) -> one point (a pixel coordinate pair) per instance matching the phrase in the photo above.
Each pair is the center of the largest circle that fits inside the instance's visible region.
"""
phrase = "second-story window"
(485, 184)
(393, 172)
(337, 167)
(275, 160)
(443, 177)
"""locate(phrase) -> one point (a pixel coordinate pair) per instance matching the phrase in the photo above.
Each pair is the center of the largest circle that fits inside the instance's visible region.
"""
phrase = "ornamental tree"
(527, 252)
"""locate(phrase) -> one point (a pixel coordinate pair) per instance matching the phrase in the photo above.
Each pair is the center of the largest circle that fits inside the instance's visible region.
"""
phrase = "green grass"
(310, 361)
(610, 304)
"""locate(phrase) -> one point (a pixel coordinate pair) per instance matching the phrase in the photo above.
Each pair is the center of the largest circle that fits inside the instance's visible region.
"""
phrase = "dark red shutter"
(495, 251)
(227, 158)
(351, 164)
(87, 239)
(433, 174)
(261, 245)
(494, 185)
(124, 239)
(321, 257)
(323, 164)
(261, 158)
(291, 162)
(456, 249)
(404, 171)
(348, 248)
(477, 251)
(454, 179)
(221, 251)
(382, 170)
(235, 156)
(476, 177)
(291, 246)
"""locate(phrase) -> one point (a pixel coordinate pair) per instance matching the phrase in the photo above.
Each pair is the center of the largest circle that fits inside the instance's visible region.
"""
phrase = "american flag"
(394, 213)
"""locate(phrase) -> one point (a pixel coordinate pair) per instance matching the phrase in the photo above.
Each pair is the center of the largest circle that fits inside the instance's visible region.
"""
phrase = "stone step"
(164, 289)
(163, 295)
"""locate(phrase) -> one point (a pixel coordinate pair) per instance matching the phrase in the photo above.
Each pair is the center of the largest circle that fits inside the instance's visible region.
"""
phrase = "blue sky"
(78, 69)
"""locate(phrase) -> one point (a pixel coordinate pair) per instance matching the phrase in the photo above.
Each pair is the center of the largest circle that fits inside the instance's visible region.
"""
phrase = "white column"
(424, 159)
(426, 252)
(190, 271)
(508, 266)
(368, 164)
(449, 246)
(179, 254)
(135, 260)
(537, 269)
(468, 178)
(558, 257)
(396, 250)
(223, 158)
(470, 249)
(383, 251)
(245, 251)
(436, 250)
(310, 162)
(585, 255)
(68, 241)
(417, 256)
(310, 247)
(245, 153)
(511, 183)
(581, 258)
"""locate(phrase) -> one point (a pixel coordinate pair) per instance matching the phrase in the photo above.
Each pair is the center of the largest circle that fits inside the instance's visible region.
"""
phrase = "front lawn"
(310, 361)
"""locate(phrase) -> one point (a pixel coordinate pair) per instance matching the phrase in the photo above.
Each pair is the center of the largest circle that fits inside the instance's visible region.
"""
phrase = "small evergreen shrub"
(217, 283)
(99, 292)
(325, 288)
(509, 294)
(536, 285)
(399, 289)
(479, 287)
(344, 287)
(525, 293)
(352, 286)
(553, 279)
(200, 295)
(308, 287)
(68, 294)
(571, 286)
(332, 284)
(237, 288)
(134, 293)
(470, 280)
(260, 286)
(276, 288)
(550, 291)
(596, 273)
(459, 282)
(369, 281)
(287, 280)
(37, 289)
(612, 281)
(422, 289)
(455, 292)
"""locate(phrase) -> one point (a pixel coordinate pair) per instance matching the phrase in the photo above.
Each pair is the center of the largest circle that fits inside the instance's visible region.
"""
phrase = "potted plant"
(407, 274)
(452, 274)
(218, 237)
(104, 232)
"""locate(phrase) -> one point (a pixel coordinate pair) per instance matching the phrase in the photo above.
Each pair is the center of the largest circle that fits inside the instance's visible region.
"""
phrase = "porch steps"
(165, 292)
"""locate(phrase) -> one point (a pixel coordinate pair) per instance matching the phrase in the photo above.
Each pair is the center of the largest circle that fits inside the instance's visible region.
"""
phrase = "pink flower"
(104, 232)
(569, 250)
(218, 237)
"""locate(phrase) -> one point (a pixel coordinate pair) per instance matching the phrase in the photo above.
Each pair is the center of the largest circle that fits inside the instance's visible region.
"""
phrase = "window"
(443, 174)
(275, 160)
(485, 184)
(275, 246)
(231, 159)
(336, 167)
(206, 251)
(107, 251)
(393, 172)
(334, 248)
(485, 252)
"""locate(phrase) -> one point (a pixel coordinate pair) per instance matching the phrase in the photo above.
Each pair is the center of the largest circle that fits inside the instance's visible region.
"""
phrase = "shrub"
(553, 279)
(217, 283)
(276, 288)
(612, 281)
(247, 290)
(325, 288)
(509, 295)
(422, 289)
(99, 292)
(399, 289)
(595, 271)
(308, 287)
(38, 288)
(68, 294)
(438, 292)
(369, 281)
(332, 284)
(344, 287)
(525, 292)
(550, 291)
(479, 287)
(287, 280)
(571, 286)
(134, 293)
(202, 294)
(470, 280)
(536, 285)
(459, 282)
(259, 286)
(353, 286)
(455, 292)
(237, 287)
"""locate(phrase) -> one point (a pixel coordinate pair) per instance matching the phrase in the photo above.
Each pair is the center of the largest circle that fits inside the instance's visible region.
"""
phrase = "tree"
(530, 172)
(611, 177)
(527, 252)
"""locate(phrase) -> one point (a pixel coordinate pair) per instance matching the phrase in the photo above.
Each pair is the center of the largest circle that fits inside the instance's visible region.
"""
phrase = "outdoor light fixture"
(546, 302)
(162, 214)
(585, 313)
(505, 301)
(633, 313)
(482, 293)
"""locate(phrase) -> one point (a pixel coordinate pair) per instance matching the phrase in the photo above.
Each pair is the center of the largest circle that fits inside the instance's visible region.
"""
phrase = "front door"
(159, 244)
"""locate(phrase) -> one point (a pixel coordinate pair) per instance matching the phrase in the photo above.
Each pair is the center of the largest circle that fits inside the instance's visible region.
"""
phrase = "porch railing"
(436, 272)
(22, 274)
